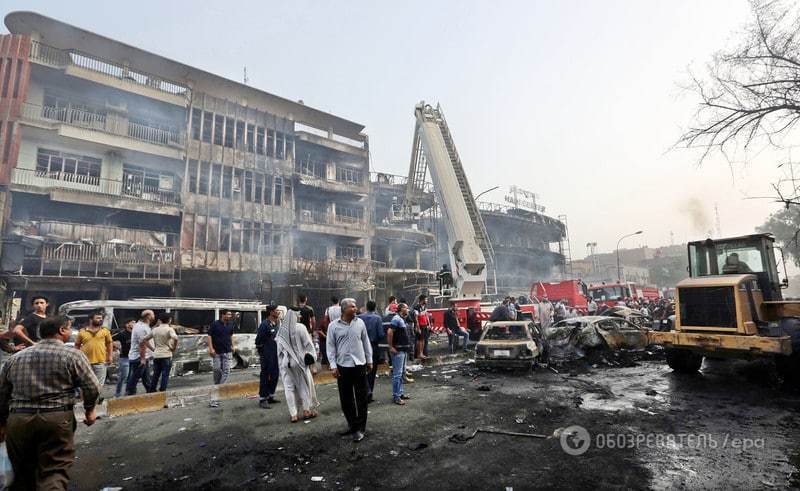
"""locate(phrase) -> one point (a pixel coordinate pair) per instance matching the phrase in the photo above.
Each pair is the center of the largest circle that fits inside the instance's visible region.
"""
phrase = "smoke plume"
(694, 210)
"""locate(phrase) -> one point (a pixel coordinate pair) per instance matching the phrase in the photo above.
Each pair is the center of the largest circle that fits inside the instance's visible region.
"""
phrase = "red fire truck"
(611, 293)
(574, 292)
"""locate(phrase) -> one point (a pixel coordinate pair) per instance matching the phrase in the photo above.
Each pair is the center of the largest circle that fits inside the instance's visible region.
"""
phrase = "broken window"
(219, 126)
(247, 232)
(208, 121)
(64, 167)
(279, 142)
(349, 251)
(260, 140)
(193, 176)
(248, 186)
(349, 175)
(187, 235)
(200, 232)
(349, 214)
(270, 143)
(267, 190)
(259, 188)
(236, 236)
(289, 147)
(213, 234)
(278, 191)
(225, 234)
(250, 139)
(216, 179)
(227, 181)
(202, 182)
(237, 184)
(197, 120)
(229, 132)
(240, 135)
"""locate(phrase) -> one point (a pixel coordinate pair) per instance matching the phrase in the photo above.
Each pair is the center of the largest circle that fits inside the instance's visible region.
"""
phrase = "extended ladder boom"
(469, 247)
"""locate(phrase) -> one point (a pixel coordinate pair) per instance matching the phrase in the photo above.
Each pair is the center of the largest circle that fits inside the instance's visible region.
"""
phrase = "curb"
(156, 401)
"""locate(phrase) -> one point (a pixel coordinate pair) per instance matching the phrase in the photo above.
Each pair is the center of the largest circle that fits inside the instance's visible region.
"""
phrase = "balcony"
(325, 218)
(100, 122)
(70, 231)
(64, 187)
(347, 180)
(115, 74)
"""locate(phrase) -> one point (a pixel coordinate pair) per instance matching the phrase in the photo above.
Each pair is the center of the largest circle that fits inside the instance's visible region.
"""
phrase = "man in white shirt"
(166, 342)
(139, 368)
(592, 308)
(334, 312)
(350, 356)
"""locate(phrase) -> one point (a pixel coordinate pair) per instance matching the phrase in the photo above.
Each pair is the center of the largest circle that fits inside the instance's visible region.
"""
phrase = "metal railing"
(533, 216)
(63, 58)
(105, 233)
(325, 218)
(396, 180)
(91, 184)
(100, 122)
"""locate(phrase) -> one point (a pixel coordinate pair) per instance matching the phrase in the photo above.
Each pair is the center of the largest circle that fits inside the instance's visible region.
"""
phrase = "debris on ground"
(484, 388)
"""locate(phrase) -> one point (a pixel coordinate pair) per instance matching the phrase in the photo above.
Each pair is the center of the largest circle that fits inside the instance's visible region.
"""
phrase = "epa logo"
(575, 440)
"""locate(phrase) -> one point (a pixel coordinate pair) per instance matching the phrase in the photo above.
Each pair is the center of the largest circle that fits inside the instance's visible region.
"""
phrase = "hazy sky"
(578, 101)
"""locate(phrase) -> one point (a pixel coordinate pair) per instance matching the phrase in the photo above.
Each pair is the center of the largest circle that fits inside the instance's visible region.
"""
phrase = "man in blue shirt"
(221, 347)
(376, 334)
(399, 346)
(268, 352)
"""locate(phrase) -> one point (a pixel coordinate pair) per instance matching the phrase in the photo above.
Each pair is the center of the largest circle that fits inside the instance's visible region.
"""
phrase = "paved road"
(242, 446)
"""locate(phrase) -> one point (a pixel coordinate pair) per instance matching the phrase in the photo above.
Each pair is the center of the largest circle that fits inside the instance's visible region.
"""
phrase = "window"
(267, 190)
(227, 181)
(260, 140)
(248, 186)
(278, 191)
(216, 178)
(247, 243)
(349, 251)
(236, 236)
(148, 183)
(187, 235)
(240, 135)
(202, 183)
(65, 167)
(348, 175)
(213, 234)
(200, 232)
(237, 184)
(289, 147)
(270, 143)
(7, 77)
(219, 123)
(225, 234)
(208, 120)
(279, 142)
(197, 120)
(193, 176)
(250, 140)
(259, 188)
(229, 132)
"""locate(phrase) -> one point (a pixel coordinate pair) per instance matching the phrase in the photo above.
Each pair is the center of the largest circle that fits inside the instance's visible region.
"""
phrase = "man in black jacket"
(268, 352)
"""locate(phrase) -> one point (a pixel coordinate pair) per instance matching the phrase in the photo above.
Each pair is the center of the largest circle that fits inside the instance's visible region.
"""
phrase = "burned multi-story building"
(123, 173)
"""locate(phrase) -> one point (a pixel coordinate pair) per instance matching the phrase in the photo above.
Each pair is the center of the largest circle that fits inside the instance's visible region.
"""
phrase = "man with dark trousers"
(268, 352)
(350, 356)
(376, 334)
(37, 395)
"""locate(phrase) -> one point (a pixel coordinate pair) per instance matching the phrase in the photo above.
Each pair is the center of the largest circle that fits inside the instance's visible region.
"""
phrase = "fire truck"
(574, 292)
(611, 293)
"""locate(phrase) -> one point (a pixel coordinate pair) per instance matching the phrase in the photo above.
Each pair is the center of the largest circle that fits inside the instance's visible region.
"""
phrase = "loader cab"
(750, 254)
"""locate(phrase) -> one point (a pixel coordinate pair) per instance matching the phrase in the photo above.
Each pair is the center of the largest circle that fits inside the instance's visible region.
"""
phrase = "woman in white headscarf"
(295, 358)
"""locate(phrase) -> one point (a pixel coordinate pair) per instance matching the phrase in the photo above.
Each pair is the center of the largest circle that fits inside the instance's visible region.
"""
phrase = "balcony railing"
(382, 178)
(91, 184)
(106, 260)
(105, 233)
(325, 218)
(63, 58)
(100, 122)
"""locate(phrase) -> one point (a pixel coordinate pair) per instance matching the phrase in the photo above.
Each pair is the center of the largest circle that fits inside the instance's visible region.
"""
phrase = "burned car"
(576, 337)
(510, 344)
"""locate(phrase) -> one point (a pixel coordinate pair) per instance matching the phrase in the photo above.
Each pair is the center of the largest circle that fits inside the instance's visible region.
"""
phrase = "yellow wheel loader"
(731, 306)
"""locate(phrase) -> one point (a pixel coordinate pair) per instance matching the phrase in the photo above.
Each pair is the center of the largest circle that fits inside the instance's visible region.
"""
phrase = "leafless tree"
(750, 93)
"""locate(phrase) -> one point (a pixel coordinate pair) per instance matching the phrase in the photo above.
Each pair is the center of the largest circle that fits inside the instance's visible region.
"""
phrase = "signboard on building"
(523, 199)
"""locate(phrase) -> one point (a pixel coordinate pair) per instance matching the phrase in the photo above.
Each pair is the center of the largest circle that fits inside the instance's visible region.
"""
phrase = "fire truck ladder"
(416, 180)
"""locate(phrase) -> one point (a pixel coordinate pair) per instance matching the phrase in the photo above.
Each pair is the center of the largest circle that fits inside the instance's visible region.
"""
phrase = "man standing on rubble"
(268, 352)
(350, 355)
(138, 367)
(374, 324)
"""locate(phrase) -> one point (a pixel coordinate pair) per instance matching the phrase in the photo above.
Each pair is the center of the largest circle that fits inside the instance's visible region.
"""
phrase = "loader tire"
(684, 361)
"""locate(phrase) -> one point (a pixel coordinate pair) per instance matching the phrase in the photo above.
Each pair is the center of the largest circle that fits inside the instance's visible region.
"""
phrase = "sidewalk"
(197, 388)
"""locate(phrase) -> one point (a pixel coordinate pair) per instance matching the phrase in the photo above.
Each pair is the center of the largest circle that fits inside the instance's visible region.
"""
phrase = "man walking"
(268, 352)
(399, 344)
(349, 349)
(139, 366)
(37, 388)
(308, 319)
(376, 334)
(95, 342)
(221, 348)
(165, 342)
(123, 367)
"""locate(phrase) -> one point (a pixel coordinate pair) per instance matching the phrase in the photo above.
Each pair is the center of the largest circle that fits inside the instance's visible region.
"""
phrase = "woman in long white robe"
(294, 343)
